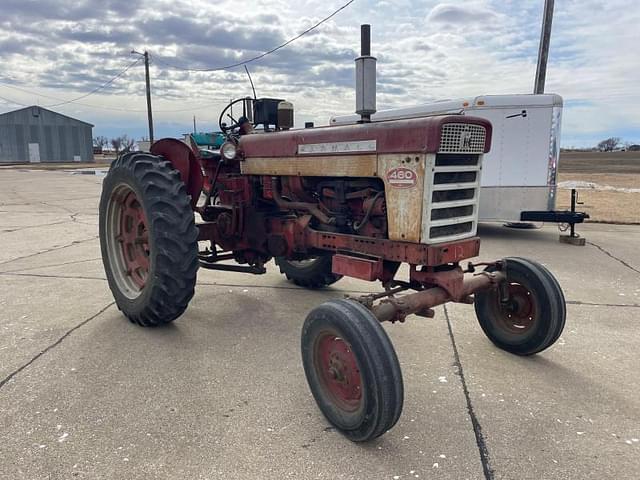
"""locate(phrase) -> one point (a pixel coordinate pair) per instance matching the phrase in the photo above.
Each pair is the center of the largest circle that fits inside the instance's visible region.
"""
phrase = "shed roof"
(46, 109)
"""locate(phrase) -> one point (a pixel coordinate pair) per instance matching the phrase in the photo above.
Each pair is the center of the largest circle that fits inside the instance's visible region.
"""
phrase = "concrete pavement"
(221, 393)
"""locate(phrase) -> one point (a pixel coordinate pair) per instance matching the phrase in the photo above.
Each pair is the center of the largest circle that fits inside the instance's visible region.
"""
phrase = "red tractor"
(357, 200)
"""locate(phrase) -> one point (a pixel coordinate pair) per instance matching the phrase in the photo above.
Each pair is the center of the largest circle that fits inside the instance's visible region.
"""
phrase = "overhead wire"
(257, 57)
(13, 102)
(177, 67)
(104, 85)
(62, 102)
(98, 107)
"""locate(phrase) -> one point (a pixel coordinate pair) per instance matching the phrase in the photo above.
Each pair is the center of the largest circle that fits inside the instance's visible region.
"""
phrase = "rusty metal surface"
(356, 267)
(283, 204)
(184, 160)
(450, 281)
(395, 136)
(413, 253)
(396, 309)
(403, 194)
(354, 165)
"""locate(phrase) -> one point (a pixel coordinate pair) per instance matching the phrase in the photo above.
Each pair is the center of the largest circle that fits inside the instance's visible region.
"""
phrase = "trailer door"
(515, 171)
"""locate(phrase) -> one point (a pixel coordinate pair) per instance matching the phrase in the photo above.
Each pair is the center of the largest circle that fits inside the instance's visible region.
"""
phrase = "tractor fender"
(185, 161)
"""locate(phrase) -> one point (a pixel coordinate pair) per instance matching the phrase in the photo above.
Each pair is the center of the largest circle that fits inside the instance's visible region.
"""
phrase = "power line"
(101, 107)
(122, 72)
(257, 57)
(30, 92)
(13, 102)
(97, 89)
(74, 100)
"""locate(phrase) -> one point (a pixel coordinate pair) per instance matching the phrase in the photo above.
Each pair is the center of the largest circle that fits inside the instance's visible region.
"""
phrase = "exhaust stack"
(365, 77)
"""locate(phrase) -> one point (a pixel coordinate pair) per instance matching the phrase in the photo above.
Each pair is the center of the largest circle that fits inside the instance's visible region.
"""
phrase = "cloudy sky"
(56, 50)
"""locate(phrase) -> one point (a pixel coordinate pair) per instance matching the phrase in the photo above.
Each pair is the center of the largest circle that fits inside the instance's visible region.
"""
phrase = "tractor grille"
(462, 138)
(451, 196)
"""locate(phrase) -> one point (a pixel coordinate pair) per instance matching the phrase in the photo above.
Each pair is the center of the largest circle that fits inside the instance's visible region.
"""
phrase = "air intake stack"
(365, 77)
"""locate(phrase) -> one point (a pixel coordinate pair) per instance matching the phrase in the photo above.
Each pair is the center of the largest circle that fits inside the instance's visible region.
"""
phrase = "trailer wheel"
(148, 239)
(535, 315)
(315, 272)
(352, 369)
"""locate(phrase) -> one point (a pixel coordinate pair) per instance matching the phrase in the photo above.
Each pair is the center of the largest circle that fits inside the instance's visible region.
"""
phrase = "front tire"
(352, 369)
(148, 239)
(535, 315)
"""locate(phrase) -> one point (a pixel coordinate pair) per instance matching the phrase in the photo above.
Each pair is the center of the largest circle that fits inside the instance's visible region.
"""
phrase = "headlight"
(228, 150)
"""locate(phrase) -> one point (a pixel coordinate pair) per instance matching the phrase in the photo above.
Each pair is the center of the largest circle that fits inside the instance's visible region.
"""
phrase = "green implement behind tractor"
(208, 140)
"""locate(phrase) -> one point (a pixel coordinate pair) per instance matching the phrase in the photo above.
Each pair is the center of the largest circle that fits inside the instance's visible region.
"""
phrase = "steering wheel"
(224, 128)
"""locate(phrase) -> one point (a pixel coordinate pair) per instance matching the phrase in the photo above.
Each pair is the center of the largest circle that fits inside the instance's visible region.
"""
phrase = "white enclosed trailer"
(519, 174)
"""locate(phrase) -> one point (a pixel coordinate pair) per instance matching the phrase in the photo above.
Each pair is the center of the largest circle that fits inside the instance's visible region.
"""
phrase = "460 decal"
(402, 177)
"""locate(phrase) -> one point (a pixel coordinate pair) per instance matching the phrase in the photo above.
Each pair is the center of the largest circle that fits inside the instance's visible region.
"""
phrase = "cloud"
(426, 49)
(457, 14)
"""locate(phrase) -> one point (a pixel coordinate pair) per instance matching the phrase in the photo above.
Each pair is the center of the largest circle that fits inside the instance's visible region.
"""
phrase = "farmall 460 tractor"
(357, 200)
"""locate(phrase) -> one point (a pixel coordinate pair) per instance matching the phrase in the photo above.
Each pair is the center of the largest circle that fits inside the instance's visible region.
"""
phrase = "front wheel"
(352, 369)
(533, 317)
(148, 239)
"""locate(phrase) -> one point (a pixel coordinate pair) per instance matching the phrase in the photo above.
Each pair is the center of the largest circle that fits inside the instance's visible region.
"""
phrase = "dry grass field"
(608, 183)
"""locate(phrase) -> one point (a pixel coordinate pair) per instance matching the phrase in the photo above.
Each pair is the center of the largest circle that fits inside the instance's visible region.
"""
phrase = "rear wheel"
(534, 316)
(314, 272)
(148, 239)
(352, 369)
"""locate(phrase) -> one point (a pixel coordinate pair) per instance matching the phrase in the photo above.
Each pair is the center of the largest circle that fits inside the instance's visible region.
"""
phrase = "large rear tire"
(314, 272)
(148, 239)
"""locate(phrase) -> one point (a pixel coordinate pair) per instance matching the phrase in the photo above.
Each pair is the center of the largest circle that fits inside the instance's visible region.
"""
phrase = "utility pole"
(543, 50)
(148, 82)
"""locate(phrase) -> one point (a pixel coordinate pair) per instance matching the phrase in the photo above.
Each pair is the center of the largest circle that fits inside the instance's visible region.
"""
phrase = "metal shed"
(36, 134)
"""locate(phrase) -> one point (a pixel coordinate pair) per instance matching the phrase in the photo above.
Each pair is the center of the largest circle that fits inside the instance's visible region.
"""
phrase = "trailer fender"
(185, 161)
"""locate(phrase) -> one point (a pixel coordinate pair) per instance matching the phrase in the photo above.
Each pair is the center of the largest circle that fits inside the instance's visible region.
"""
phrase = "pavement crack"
(75, 242)
(68, 210)
(45, 275)
(275, 287)
(54, 344)
(477, 428)
(606, 252)
(72, 262)
(18, 229)
(25, 273)
(578, 302)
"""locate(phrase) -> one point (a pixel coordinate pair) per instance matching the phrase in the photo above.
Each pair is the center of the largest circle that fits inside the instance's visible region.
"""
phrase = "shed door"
(34, 152)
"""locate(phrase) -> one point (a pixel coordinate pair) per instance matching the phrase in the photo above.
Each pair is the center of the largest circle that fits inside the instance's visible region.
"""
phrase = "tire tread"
(170, 218)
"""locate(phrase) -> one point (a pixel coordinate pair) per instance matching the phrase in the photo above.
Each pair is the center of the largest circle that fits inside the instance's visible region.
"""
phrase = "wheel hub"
(134, 239)
(519, 313)
(128, 229)
(339, 372)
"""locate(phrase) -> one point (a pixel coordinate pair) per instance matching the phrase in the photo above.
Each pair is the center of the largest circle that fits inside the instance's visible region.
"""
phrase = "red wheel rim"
(133, 237)
(519, 315)
(338, 371)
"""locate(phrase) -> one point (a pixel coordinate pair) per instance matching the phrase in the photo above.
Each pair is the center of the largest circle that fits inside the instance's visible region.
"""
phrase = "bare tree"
(609, 145)
(100, 142)
(126, 143)
(116, 143)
